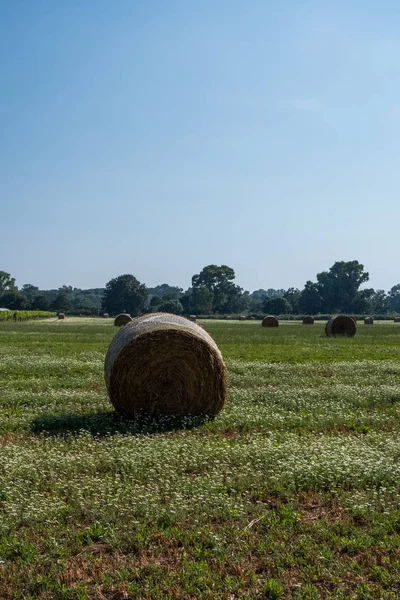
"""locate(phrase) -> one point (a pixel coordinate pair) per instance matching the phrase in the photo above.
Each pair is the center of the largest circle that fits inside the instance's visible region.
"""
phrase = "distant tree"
(243, 302)
(310, 302)
(277, 306)
(379, 302)
(292, 295)
(275, 293)
(9, 294)
(257, 298)
(61, 302)
(339, 287)
(186, 301)
(7, 283)
(155, 302)
(259, 294)
(124, 293)
(12, 300)
(164, 290)
(219, 281)
(201, 301)
(40, 302)
(362, 302)
(269, 293)
(29, 291)
(171, 306)
(394, 298)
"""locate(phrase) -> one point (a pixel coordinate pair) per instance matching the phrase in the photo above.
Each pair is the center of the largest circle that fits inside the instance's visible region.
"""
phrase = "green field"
(291, 492)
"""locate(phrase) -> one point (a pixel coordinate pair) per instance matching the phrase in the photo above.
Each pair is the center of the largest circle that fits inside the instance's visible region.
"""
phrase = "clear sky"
(155, 138)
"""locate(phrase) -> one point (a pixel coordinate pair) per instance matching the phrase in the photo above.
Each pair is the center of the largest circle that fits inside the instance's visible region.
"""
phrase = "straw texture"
(163, 364)
(270, 321)
(122, 319)
(341, 325)
(308, 321)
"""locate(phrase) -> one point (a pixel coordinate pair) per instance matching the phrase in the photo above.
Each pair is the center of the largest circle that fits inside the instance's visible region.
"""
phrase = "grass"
(291, 492)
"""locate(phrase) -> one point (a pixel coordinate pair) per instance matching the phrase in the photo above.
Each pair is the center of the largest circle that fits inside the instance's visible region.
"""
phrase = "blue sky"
(155, 138)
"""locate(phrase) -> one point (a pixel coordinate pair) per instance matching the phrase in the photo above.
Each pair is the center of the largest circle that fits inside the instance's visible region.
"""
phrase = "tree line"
(212, 291)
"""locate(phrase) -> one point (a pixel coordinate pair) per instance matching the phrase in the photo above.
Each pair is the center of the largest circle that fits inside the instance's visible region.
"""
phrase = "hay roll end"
(341, 325)
(122, 319)
(163, 364)
(270, 321)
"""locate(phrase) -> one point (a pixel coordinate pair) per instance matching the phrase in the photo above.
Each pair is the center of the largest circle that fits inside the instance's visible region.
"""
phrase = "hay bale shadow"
(110, 423)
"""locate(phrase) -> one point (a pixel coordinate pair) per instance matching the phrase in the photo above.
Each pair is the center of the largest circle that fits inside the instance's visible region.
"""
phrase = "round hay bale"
(308, 321)
(270, 321)
(341, 325)
(61, 316)
(122, 319)
(397, 319)
(163, 364)
(252, 318)
(368, 321)
(242, 318)
(105, 315)
(192, 318)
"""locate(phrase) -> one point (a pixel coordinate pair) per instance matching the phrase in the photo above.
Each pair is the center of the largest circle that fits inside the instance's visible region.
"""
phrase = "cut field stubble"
(293, 489)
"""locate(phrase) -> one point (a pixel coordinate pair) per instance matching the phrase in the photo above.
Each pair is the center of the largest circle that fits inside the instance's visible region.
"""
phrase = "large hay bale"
(308, 321)
(270, 321)
(341, 325)
(368, 321)
(122, 319)
(163, 364)
(61, 316)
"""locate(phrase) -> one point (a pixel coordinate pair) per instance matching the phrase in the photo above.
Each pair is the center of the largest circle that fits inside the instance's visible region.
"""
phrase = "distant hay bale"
(192, 318)
(105, 315)
(251, 318)
(308, 321)
(163, 364)
(341, 325)
(397, 319)
(270, 321)
(122, 319)
(368, 321)
(61, 316)
(242, 318)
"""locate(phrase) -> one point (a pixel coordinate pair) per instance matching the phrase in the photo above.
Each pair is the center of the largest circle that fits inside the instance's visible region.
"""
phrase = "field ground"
(291, 492)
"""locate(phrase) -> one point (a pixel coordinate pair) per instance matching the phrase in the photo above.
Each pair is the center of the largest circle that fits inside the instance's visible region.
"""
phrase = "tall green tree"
(219, 281)
(7, 283)
(292, 295)
(40, 302)
(9, 294)
(394, 298)
(277, 306)
(61, 302)
(379, 302)
(164, 290)
(339, 287)
(201, 301)
(310, 302)
(171, 305)
(124, 294)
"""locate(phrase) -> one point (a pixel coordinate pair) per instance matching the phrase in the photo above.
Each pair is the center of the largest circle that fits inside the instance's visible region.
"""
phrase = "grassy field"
(291, 492)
